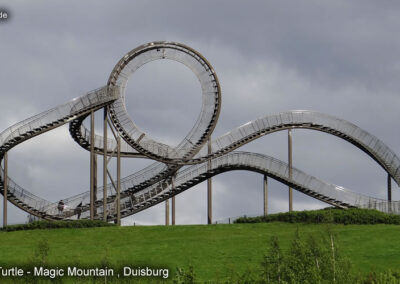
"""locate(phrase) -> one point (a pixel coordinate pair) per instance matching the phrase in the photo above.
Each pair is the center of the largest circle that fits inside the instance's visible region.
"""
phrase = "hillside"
(214, 251)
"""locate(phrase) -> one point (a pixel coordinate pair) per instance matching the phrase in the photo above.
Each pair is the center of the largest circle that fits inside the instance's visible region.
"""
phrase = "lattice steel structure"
(166, 178)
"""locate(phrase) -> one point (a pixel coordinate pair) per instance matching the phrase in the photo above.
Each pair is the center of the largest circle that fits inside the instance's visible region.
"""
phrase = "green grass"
(214, 251)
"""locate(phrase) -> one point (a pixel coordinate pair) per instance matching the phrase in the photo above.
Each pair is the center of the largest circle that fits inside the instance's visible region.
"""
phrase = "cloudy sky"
(337, 57)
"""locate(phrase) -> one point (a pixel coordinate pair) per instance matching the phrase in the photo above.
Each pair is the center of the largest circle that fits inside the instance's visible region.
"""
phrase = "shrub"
(328, 215)
(56, 225)
(307, 261)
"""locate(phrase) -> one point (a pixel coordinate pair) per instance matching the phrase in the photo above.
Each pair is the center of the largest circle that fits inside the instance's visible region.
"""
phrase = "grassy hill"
(214, 251)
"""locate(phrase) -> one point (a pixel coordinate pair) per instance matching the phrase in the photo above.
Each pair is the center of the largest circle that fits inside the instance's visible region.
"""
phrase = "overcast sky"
(336, 57)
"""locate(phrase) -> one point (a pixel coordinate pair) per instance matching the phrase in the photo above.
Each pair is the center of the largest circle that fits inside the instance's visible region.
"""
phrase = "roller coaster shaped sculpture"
(167, 176)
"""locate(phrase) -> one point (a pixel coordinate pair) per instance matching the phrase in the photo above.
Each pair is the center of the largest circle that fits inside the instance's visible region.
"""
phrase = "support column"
(94, 184)
(389, 188)
(119, 181)
(167, 212)
(105, 166)
(5, 189)
(92, 166)
(265, 195)
(173, 200)
(209, 187)
(290, 168)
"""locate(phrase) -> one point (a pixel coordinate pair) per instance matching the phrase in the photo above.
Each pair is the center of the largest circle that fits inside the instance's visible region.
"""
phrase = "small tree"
(310, 261)
(272, 263)
(302, 261)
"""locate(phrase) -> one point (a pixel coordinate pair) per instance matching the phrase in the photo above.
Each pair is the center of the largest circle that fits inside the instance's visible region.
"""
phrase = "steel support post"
(105, 166)
(209, 187)
(167, 212)
(94, 184)
(173, 200)
(389, 187)
(92, 166)
(290, 168)
(5, 190)
(119, 181)
(265, 195)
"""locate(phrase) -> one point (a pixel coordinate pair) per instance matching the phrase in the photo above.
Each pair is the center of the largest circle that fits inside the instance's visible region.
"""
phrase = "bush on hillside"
(328, 215)
(57, 225)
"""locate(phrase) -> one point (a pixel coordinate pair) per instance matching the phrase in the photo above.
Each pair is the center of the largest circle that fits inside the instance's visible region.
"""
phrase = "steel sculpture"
(166, 178)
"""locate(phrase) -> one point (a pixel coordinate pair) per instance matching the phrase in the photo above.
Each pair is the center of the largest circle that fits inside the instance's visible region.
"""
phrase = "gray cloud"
(336, 57)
